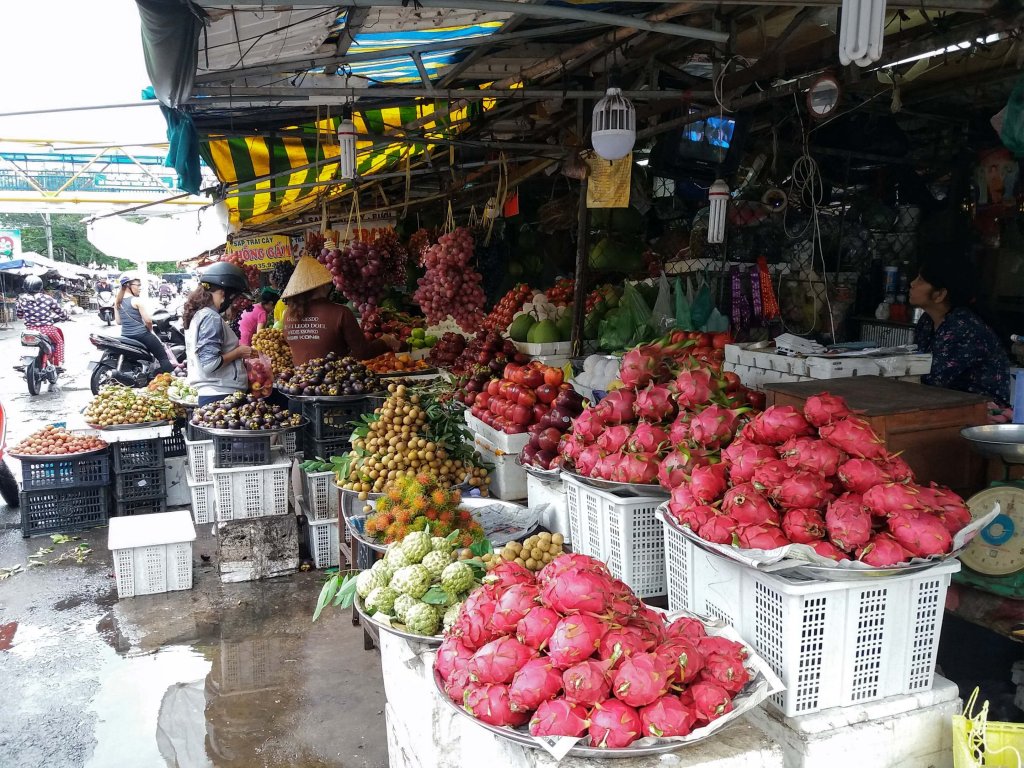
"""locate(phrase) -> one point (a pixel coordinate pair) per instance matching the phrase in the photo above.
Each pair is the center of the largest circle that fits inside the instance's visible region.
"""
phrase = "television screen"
(701, 150)
(708, 139)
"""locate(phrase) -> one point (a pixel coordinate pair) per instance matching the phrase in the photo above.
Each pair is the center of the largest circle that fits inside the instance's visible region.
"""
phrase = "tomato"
(553, 377)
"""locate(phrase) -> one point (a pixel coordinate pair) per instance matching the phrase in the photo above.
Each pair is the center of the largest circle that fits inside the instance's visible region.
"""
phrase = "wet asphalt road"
(222, 675)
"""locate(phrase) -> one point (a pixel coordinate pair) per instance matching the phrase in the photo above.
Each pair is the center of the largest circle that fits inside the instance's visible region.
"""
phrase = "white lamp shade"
(347, 147)
(613, 132)
(718, 198)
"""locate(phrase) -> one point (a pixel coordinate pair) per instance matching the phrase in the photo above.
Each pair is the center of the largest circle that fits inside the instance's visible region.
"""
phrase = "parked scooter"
(106, 302)
(126, 361)
(8, 485)
(40, 367)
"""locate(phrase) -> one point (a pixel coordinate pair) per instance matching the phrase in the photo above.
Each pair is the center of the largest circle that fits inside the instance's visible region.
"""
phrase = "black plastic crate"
(337, 446)
(194, 433)
(130, 455)
(141, 507)
(40, 474)
(63, 510)
(140, 484)
(328, 421)
(174, 444)
(241, 451)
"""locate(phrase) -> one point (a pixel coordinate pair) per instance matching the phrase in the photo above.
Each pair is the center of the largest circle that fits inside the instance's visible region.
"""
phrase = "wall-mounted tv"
(702, 150)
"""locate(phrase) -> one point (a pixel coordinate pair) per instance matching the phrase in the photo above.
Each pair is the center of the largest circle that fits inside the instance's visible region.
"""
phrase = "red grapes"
(450, 286)
(364, 271)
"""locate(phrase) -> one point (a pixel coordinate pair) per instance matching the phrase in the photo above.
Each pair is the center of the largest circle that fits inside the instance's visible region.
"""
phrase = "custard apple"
(456, 578)
(450, 616)
(422, 619)
(440, 544)
(381, 599)
(367, 581)
(411, 580)
(402, 603)
(396, 558)
(435, 562)
(385, 570)
(416, 546)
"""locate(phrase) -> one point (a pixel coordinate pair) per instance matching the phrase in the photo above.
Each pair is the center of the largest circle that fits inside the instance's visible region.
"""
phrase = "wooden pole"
(579, 294)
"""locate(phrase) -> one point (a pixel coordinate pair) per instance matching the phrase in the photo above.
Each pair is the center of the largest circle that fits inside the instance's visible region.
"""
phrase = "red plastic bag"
(261, 375)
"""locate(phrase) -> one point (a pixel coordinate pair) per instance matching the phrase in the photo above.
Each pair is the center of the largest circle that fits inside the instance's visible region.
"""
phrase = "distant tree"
(70, 242)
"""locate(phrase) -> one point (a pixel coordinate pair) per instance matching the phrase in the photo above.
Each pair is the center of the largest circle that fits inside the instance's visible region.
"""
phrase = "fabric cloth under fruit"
(328, 327)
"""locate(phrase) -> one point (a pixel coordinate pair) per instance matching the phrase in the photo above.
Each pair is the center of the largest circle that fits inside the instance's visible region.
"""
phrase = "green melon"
(544, 332)
(521, 327)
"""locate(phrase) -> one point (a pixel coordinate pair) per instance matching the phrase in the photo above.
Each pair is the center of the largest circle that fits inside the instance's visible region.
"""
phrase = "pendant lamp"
(614, 126)
(347, 146)
(861, 32)
(718, 196)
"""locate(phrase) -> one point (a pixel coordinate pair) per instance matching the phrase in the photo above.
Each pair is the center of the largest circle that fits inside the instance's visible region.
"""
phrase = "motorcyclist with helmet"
(215, 366)
(136, 322)
(40, 312)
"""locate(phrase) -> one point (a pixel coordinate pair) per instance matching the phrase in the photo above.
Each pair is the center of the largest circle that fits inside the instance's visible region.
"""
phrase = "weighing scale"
(995, 558)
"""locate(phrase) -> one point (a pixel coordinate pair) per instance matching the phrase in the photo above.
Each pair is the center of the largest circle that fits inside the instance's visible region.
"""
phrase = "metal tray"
(407, 374)
(122, 427)
(547, 475)
(55, 456)
(183, 403)
(432, 641)
(249, 432)
(633, 489)
(333, 398)
(1003, 440)
(361, 537)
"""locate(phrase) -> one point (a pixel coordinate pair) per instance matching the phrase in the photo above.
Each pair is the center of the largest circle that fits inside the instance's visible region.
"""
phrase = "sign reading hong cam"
(261, 251)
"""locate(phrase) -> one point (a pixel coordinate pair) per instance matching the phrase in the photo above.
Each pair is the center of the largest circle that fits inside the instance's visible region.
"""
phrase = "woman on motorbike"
(40, 312)
(136, 323)
(215, 357)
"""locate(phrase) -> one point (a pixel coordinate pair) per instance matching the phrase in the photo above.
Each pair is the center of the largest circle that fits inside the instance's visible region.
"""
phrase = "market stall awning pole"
(579, 292)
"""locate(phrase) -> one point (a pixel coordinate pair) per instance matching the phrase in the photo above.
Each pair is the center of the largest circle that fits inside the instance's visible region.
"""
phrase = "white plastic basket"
(152, 553)
(242, 493)
(200, 461)
(204, 503)
(323, 543)
(621, 530)
(321, 496)
(833, 643)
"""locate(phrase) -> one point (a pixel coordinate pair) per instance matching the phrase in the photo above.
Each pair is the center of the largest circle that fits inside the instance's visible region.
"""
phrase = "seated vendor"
(314, 325)
(966, 352)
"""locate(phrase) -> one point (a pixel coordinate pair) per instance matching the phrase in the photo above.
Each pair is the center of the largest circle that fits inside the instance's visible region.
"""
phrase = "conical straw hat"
(309, 274)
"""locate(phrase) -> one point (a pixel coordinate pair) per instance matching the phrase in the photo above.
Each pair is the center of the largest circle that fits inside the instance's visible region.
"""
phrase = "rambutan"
(404, 516)
(419, 504)
(431, 514)
(439, 498)
(466, 539)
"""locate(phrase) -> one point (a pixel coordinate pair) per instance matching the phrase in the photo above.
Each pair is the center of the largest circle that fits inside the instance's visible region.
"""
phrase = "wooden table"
(921, 423)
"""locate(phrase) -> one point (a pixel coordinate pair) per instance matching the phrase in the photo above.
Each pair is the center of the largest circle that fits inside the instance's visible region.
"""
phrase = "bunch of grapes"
(363, 271)
(450, 286)
(418, 241)
(252, 274)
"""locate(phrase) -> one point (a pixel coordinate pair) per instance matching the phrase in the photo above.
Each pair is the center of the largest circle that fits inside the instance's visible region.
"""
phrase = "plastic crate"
(204, 503)
(329, 421)
(321, 496)
(247, 492)
(153, 556)
(323, 543)
(241, 451)
(194, 433)
(324, 449)
(144, 453)
(833, 643)
(141, 507)
(140, 484)
(63, 511)
(75, 472)
(291, 442)
(621, 530)
(200, 460)
(174, 444)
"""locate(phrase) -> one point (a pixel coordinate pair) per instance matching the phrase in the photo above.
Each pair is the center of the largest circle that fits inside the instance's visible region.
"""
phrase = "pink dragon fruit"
(614, 725)
(679, 430)
(558, 717)
(640, 366)
(829, 550)
(655, 404)
(474, 625)
(457, 683)
(714, 426)
(652, 621)
(682, 497)
(647, 438)
(708, 483)
(620, 643)
(954, 518)
(803, 526)
(577, 590)
(694, 388)
(667, 717)
(855, 437)
(608, 466)
(804, 489)
(536, 627)
(696, 517)
(748, 506)
(617, 407)
(882, 550)
(686, 627)
(776, 425)
(491, 704)
(536, 682)
(673, 470)
(498, 661)
(742, 457)
(921, 535)
(589, 459)
(898, 469)
(588, 426)
(613, 439)
(684, 659)
(588, 682)
(811, 455)
(762, 537)
(506, 574)
(575, 639)
(822, 410)
(710, 701)
(449, 653)
(860, 475)
(513, 605)
(570, 447)
(848, 522)
(635, 468)
(894, 498)
(641, 679)
(723, 646)
(768, 476)
(718, 530)
(726, 671)
(571, 561)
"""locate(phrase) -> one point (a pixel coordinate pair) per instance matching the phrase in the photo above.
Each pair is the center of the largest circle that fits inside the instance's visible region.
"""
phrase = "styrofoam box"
(247, 492)
(321, 496)
(508, 479)
(501, 441)
(549, 496)
(323, 543)
(833, 643)
(204, 503)
(560, 348)
(621, 530)
(152, 553)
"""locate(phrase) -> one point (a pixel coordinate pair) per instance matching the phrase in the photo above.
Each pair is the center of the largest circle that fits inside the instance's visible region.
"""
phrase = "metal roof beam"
(343, 95)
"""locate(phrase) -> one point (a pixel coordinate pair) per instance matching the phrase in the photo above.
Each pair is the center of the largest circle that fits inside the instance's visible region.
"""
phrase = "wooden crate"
(922, 423)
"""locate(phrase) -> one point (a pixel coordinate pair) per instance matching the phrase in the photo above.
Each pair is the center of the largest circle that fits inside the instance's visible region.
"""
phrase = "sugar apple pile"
(417, 584)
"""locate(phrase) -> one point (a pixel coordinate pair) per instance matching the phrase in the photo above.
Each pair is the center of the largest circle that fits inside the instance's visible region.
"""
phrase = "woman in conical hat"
(314, 325)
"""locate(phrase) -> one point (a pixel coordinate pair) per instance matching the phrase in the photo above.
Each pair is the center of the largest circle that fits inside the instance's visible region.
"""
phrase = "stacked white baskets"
(323, 503)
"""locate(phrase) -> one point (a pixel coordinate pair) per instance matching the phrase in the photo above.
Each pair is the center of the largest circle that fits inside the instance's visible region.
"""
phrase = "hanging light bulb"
(347, 146)
(718, 196)
(614, 126)
(862, 32)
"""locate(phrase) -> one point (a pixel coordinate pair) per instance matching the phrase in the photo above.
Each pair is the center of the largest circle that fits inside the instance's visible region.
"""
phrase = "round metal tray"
(635, 489)
(54, 456)
(429, 640)
(547, 475)
(183, 403)
(407, 374)
(1003, 440)
(249, 432)
(361, 537)
(333, 398)
(122, 427)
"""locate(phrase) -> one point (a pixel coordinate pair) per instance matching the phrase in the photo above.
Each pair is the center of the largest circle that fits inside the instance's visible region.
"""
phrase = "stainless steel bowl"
(1003, 440)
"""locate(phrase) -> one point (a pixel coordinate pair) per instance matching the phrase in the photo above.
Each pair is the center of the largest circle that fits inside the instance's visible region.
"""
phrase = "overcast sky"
(68, 53)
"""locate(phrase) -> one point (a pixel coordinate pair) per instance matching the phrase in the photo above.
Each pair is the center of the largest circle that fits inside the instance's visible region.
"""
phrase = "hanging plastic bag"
(717, 322)
(702, 304)
(662, 318)
(260, 372)
(1012, 133)
(609, 338)
(635, 317)
(682, 307)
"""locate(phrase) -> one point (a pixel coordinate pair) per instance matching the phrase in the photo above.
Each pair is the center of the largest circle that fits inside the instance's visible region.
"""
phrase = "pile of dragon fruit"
(673, 413)
(823, 478)
(573, 652)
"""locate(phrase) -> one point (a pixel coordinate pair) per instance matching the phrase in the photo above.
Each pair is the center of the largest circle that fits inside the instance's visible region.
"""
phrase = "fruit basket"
(547, 475)
(384, 624)
(629, 489)
(124, 427)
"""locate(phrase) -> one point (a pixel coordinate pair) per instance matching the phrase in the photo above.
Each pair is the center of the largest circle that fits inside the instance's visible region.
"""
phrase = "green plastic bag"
(635, 317)
(700, 309)
(609, 337)
(682, 306)
(1012, 133)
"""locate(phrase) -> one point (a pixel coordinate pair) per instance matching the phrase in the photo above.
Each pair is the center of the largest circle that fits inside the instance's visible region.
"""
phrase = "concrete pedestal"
(260, 548)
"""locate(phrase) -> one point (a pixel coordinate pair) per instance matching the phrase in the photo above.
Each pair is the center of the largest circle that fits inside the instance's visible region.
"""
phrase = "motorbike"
(165, 299)
(126, 361)
(39, 367)
(106, 302)
(8, 485)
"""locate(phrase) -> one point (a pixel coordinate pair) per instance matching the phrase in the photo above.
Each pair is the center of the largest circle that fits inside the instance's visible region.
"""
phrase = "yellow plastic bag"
(977, 743)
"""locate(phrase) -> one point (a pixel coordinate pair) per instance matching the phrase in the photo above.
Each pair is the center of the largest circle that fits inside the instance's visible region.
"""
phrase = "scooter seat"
(124, 340)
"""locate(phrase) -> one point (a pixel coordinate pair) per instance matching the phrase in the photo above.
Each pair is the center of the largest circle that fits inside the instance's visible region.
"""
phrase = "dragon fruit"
(718, 530)
(742, 457)
(613, 439)
(855, 437)
(575, 638)
(882, 550)
(651, 620)
(607, 467)
(822, 410)
(725, 670)
(499, 660)
(896, 467)
(655, 404)
(811, 454)
(762, 537)
(708, 483)
(710, 701)
(748, 506)
(647, 438)
(506, 574)
(457, 683)
(696, 516)
(679, 430)
(848, 522)
(803, 526)
(894, 498)
(513, 605)
(617, 407)
(570, 447)
(474, 625)
(860, 475)
(688, 627)
(641, 679)
(583, 590)
(682, 497)
(694, 388)
(723, 646)
(620, 643)
(673, 470)
(829, 550)
(714, 426)
(571, 561)
(588, 459)
(537, 626)
(558, 717)
(491, 704)
(635, 468)
(950, 508)
(776, 425)
(588, 426)
(921, 535)
(804, 489)
(536, 682)
(666, 717)
(588, 682)
(684, 659)
(640, 366)
(614, 725)
(451, 652)
(768, 475)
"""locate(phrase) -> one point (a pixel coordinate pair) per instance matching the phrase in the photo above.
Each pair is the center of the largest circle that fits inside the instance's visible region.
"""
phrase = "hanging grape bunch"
(450, 286)
(363, 271)
(418, 241)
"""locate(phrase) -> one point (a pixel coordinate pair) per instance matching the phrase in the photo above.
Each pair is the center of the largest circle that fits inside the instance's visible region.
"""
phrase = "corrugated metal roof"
(243, 38)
